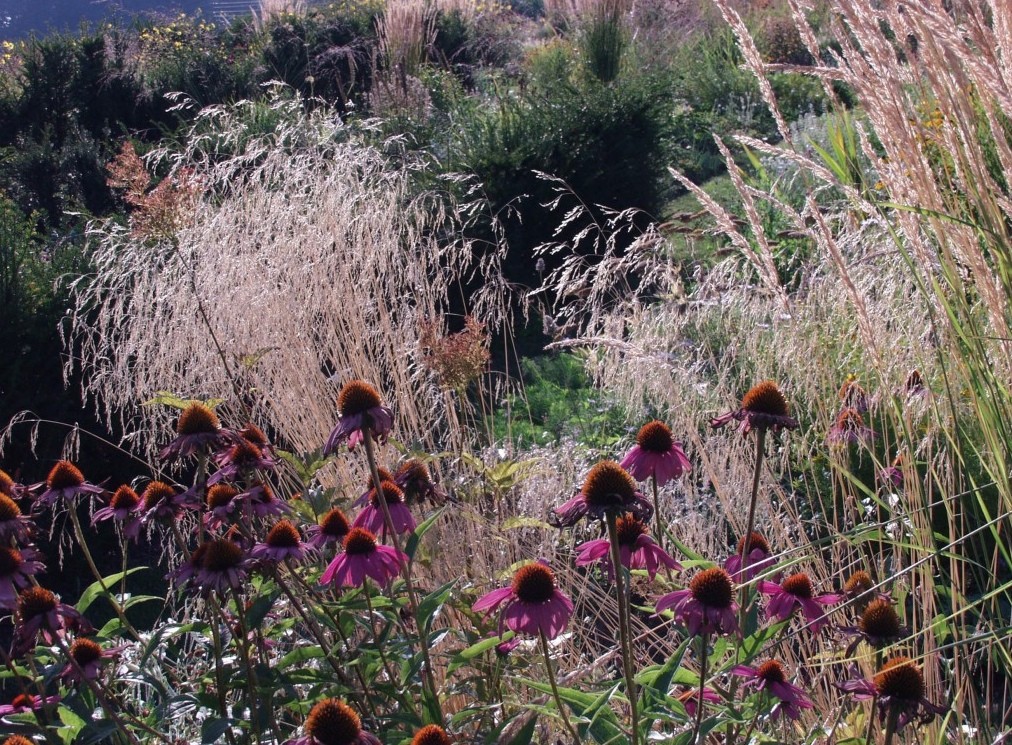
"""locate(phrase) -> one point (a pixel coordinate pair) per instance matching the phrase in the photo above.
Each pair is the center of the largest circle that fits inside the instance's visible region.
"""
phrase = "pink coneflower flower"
(532, 604)
(242, 459)
(89, 657)
(690, 699)
(763, 407)
(27, 702)
(878, 625)
(656, 454)
(16, 566)
(431, 734)
(255, 436)
(771, 676)
(221, 505)
(332, 722)
(849, 429)
(359, 405)
(282, 543)
(164, 503)
(222, 565)
(12, 523)
(852, 395)
(608, 488)
(333, 527)
(65, 481)
(898, 687)
(39, 613)
(125, 507)
(637, 549)
(259, 499)
(363, 557)
(197, 431)
(706, 606)
(859, 588)
(797, 590)
(759, 558)
(371, 518)
(363, 498)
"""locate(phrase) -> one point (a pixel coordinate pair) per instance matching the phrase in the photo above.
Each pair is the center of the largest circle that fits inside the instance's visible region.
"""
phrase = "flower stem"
(702, 687)
(428, 678)
(555, 688)
(623, 625)
(891, 722)
(746, 548)
(659, 524)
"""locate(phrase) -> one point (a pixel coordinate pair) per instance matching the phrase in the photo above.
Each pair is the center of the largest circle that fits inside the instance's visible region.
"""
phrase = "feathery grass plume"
(310, 260)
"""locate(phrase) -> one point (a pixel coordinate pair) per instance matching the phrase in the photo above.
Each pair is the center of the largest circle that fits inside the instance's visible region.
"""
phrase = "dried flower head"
(763, 407)
(608, 489)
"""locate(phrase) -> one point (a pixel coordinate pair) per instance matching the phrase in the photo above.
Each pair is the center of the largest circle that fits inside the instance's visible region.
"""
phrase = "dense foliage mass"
(586, 371)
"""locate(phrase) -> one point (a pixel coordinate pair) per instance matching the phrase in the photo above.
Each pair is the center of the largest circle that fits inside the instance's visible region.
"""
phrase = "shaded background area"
(19, 18)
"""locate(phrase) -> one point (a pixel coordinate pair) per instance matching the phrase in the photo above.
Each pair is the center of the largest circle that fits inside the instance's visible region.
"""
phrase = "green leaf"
(301, 654)
(525, 735)
(256, 613)
(600, 721)
(412, 544)
(95, 588)
(467, 654)
(168, 398)
(213, 729)
(430, 605)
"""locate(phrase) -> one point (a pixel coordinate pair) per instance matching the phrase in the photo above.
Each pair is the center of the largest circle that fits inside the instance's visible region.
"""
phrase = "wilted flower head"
(762, 408)
(333, 722)
(221, 504)
(363, 557)
(197, 431)
(163, 503)
(65, 481)
(656, 454)
(12, 523)
(282, 543)
(690, 698)
(414, 478)
(371, 518)
(849, 428)
(637, 550)
(243, 459)
(759, 557)
(219, 564)
(897, 687)
(40, 613)
(892, 476)
(852, 395)
(88, 658)
(914, 385)
(23, 703)
(359, 406)
(770, 676)
(707, 606)
(797, 590)
(608, 489)
(532, 604)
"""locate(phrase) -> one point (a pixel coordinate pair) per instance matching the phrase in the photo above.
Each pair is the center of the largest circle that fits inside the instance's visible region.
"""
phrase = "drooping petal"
(490, 602)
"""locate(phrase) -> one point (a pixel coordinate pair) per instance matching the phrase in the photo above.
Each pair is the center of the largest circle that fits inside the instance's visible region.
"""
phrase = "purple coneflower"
(852, 395)
(255, 436)
(608, 488)
(771, 676)
(12, 523)
(124, 507)
(878, 625)
(282, 543)
(90, 657)
(359, 405)
(849, 429)
(384, 475)
(163, 502)
(197, 431)
(431, 734)
(414, 478)
(18, 740)
(261, 502)
(221, 504)
(532, 604)
(39, 613)
(333, 722)
(242, 459)
(16, 566)
(892, 475)
(898, 689)
(333, 527)
(371, 517)
(363, 557)
(27, 702)
(656, 454)
(763, 407)
(759, 558)
(707, 606)
(637, 550)
(9, 487)
(914, 385)
(859, 589)
(797, 590)
(65, 481)
(222, 565)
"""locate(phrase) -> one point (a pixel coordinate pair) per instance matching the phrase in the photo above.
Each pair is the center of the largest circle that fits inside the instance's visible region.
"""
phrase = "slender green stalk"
(658, 523)
(391, 676)
(555, 688)
(625, 634)
(428, 677)
(242, 644)
(760, 450)
(696, 738)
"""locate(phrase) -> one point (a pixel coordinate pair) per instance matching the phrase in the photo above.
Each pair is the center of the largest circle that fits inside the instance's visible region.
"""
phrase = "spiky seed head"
(765, 398)
(357, 397)
(333, 722)
(608, 484)
(900, 678)
(799, 585)
(64, 475)
(655, 437)
(534, 583)
(713, 588)
(197, 419)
